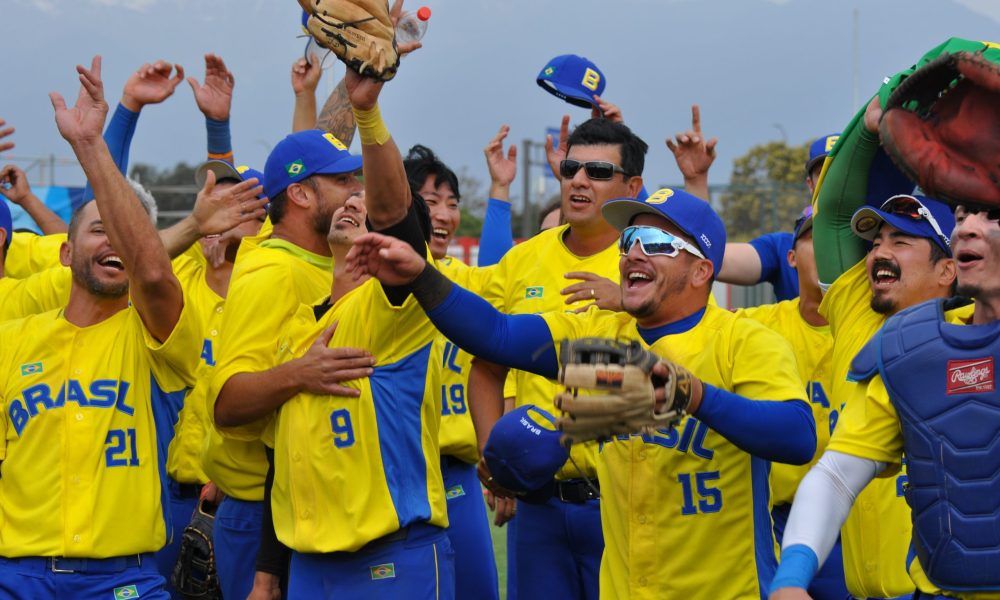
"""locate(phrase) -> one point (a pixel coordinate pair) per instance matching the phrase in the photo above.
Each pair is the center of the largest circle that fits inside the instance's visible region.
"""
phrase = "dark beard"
(83, 274)
(883, 305)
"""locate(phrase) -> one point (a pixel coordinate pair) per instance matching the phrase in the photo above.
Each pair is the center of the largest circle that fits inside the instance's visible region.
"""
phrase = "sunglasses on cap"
(654, 241)
(598, 170)
(962, 210)
(908, 206)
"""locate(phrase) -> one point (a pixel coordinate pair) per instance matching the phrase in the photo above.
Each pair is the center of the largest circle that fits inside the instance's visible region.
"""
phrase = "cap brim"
(348, 164)
(803, 229)
(620, 212)
(221, 168)
(812, 163)
(867, 220)
(567, 93)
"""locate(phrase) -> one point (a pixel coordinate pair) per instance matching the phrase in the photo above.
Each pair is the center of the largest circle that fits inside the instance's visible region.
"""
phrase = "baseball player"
(307, 176)
(705, 481)
(799, 322)
(558, 545)
(358, 493)
(102, 379)
(37, 293)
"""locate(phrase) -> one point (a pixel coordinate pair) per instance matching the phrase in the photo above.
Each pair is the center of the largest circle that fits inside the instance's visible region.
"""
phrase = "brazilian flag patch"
(31, 369)
(549, 71)
(126, 591)
(454, 492)
(534, 292)
(294, 168)
(386, 571)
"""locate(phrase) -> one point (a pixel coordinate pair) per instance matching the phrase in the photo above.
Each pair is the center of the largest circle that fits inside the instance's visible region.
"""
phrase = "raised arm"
(305, 78)
(214, 98)
(154, 290)
(694, 155)
(497, 237)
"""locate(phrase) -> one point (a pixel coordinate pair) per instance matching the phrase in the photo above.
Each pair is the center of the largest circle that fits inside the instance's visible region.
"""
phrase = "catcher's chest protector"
(941, 379)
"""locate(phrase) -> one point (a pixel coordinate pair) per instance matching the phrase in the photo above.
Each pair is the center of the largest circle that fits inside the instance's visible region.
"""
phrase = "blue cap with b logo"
(523, 453)
(572, 78)
(819, 149)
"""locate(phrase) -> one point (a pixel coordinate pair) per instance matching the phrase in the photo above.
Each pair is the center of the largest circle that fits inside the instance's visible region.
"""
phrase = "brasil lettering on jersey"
(101, 393)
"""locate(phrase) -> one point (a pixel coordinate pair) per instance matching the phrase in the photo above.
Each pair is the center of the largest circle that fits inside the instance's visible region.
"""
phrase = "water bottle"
(412, 26)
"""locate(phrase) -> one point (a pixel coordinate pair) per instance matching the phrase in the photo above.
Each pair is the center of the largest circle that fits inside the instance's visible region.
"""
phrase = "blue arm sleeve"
(769, 248)
(518, 341)
(796, 569)
(496, 238)
(220, 143)
(783, 432)
(118, 137)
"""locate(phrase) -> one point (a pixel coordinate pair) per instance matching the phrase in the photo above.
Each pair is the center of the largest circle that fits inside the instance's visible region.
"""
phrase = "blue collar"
(650, 336)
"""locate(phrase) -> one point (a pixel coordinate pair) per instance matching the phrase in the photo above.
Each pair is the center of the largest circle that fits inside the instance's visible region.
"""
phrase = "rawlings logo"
(970, 376)
(609, 378)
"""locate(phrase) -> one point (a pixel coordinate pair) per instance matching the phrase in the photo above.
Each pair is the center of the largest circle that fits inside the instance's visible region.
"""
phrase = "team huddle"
(300, 366)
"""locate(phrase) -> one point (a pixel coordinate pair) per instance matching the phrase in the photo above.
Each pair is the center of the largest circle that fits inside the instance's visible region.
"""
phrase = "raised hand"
(217, 210)
(391, 261)
(606, 110)
(502, 168)
(214, 97)
(305, 75)
(693, 154)
(5, 132)
(556, 155)
(85, 121)
(395, 14)
(19, 190)
(151, 84)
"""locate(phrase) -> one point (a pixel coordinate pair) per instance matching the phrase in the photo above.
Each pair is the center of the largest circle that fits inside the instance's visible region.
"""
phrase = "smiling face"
(348, 222)
(331, 192)
(95, 265)
(445, 214)
(658, 289)
(902, 271)
(976, 244)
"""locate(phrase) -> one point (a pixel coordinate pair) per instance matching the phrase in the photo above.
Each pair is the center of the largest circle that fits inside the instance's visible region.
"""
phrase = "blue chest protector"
(941, 379)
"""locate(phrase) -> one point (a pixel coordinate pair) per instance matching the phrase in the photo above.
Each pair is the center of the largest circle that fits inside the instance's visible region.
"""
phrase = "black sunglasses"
(599, 170)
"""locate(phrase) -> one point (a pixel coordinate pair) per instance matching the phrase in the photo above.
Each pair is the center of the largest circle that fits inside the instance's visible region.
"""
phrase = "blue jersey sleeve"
(481, 330)
(783, 432)
(772, 248)
(220, 144)
(496, 238)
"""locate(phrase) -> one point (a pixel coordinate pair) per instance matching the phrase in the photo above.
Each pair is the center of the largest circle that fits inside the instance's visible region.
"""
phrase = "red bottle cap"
(424, 13)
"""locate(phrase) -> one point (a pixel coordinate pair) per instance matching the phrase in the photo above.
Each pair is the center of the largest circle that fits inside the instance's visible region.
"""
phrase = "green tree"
(767, 190)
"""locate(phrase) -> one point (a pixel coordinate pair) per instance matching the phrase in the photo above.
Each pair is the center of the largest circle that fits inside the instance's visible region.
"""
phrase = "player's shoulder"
(550, 240)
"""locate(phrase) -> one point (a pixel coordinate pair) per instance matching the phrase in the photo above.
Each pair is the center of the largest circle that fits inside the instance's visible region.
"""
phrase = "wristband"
(371, 128)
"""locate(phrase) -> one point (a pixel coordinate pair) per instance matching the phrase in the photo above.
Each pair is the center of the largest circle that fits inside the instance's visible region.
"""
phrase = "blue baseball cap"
(572, 78)
(804, 223)
(6, 223)
(916, 215)
(523, 452)
(304, 154)
(690, 214)
(819, 149)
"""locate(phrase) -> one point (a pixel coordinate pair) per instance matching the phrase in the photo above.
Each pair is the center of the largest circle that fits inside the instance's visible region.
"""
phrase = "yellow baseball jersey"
(449, 374)
(869, 428)
(690, 489)
(30, 253)
(41, 292)
(352, 470)
(87, 416)
(876, 536)
(527, 280)
(270, 281)
(813, 347)
(184, 462)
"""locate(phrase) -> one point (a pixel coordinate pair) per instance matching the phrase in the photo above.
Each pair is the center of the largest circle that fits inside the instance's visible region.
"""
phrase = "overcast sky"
(761, 69)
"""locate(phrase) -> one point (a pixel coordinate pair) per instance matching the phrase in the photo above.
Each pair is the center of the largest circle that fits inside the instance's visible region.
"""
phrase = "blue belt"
(61, 564)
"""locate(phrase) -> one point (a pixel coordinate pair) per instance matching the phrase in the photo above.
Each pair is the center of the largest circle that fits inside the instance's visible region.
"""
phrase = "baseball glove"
(624, 390)
(195, 576)
(359, 32)
(941, 126)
